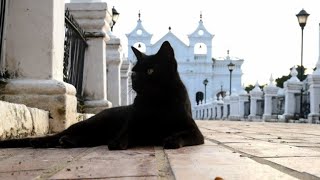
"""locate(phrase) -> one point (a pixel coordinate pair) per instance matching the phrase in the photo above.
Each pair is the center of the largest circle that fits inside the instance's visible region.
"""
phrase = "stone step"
(18, 120)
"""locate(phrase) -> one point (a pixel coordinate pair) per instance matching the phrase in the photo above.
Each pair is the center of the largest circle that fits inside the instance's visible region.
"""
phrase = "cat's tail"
(36, 142)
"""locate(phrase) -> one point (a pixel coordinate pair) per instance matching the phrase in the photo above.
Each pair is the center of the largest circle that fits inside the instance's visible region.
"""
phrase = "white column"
(34, 60)
(291, 87)
(290, 103)
(255, 95)
(114, 62)
(95, 19)
(267, 106)
(225, 106)
(125, 70)
(270, 91)
(220, 108)
(314, 89)
(234, 107)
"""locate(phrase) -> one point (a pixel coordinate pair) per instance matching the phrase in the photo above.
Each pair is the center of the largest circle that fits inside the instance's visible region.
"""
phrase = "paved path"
(233, 150)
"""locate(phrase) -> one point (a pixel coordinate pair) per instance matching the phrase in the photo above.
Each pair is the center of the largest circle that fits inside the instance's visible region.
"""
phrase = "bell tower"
(201, 43)
(139, 38)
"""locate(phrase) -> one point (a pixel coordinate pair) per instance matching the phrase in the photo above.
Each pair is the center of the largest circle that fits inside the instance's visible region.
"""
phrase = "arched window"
(200, 48)
(140, 46)
(199, 97)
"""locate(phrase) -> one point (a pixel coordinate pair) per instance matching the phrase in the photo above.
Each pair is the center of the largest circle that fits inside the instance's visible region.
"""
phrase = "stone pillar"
(255, 94)
(125, 69)
(314, 89)
(195, 113)
(220, 108)
(95, 20)
(34, 60)
(234, 106)
(225, 106)
(243, 97)
(270, 91)
(114, 62)
(291, 87)
(214, 107)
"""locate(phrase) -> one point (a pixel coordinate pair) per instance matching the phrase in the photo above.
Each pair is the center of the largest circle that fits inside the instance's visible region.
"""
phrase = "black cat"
(160, 115)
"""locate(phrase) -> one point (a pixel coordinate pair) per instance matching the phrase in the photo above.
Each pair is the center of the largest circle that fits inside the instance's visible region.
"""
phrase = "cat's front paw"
(172, 143)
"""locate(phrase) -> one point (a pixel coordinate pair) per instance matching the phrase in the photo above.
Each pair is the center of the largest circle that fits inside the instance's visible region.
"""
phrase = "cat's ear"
(166, 50)
(136, 52)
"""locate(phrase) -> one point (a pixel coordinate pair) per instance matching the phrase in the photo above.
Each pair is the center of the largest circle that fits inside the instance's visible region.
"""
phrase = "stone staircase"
(18, 120)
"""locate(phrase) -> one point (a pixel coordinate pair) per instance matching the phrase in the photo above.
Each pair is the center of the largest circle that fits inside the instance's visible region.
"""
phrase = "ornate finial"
(294, 74)
(200, 15)
(139, 14)
(271, 81)
(228, 53)
(169, 28)
(256, 87)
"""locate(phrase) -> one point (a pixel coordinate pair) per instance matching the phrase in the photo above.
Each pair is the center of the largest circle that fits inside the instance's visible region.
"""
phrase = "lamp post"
(115, 16)
(231, 66)
(302, 19)
(205, 82)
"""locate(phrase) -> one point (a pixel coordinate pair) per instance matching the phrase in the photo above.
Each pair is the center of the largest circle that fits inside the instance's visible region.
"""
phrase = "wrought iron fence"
(279, 106)
(246, 109)
(305, 105)
(74, 52)
(2, 18)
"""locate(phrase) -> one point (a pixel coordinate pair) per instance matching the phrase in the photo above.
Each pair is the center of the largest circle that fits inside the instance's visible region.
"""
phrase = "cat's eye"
(150, 71)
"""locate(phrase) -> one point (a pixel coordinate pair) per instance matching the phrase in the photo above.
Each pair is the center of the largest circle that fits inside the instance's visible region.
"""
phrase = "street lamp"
(302, 19)
(205, 82)
(231, 67)
(115, 16)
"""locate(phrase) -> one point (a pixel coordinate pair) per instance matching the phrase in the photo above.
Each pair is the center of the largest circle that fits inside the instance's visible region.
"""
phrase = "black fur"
(160, 114)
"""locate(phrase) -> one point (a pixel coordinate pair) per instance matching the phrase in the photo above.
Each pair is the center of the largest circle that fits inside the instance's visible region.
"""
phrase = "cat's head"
(154, 73)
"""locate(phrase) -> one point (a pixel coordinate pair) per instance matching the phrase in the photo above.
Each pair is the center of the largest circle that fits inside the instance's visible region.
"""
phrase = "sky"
(265, 33)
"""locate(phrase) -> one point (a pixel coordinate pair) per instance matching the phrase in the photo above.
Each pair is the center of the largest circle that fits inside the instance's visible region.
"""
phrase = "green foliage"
(250, 87)
(281, 80)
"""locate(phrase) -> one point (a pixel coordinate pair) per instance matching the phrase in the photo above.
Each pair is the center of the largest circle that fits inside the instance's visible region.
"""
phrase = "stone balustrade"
(267, 104)
(35, 72)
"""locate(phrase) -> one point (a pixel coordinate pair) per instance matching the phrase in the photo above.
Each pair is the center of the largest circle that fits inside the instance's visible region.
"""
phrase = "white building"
(195, 61)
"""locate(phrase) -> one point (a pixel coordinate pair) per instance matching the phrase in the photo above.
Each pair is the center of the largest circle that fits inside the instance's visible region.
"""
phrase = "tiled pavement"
(233, 150)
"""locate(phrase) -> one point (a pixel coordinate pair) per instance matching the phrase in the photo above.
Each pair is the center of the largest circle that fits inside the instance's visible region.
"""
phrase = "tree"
(250, 87)
(281, 80)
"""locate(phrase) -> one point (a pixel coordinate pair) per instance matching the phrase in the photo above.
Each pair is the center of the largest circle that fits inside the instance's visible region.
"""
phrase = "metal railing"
(2, 18)
(74, 52)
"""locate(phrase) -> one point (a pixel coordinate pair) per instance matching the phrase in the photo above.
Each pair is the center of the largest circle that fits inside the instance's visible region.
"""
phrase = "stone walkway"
(233, 150)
